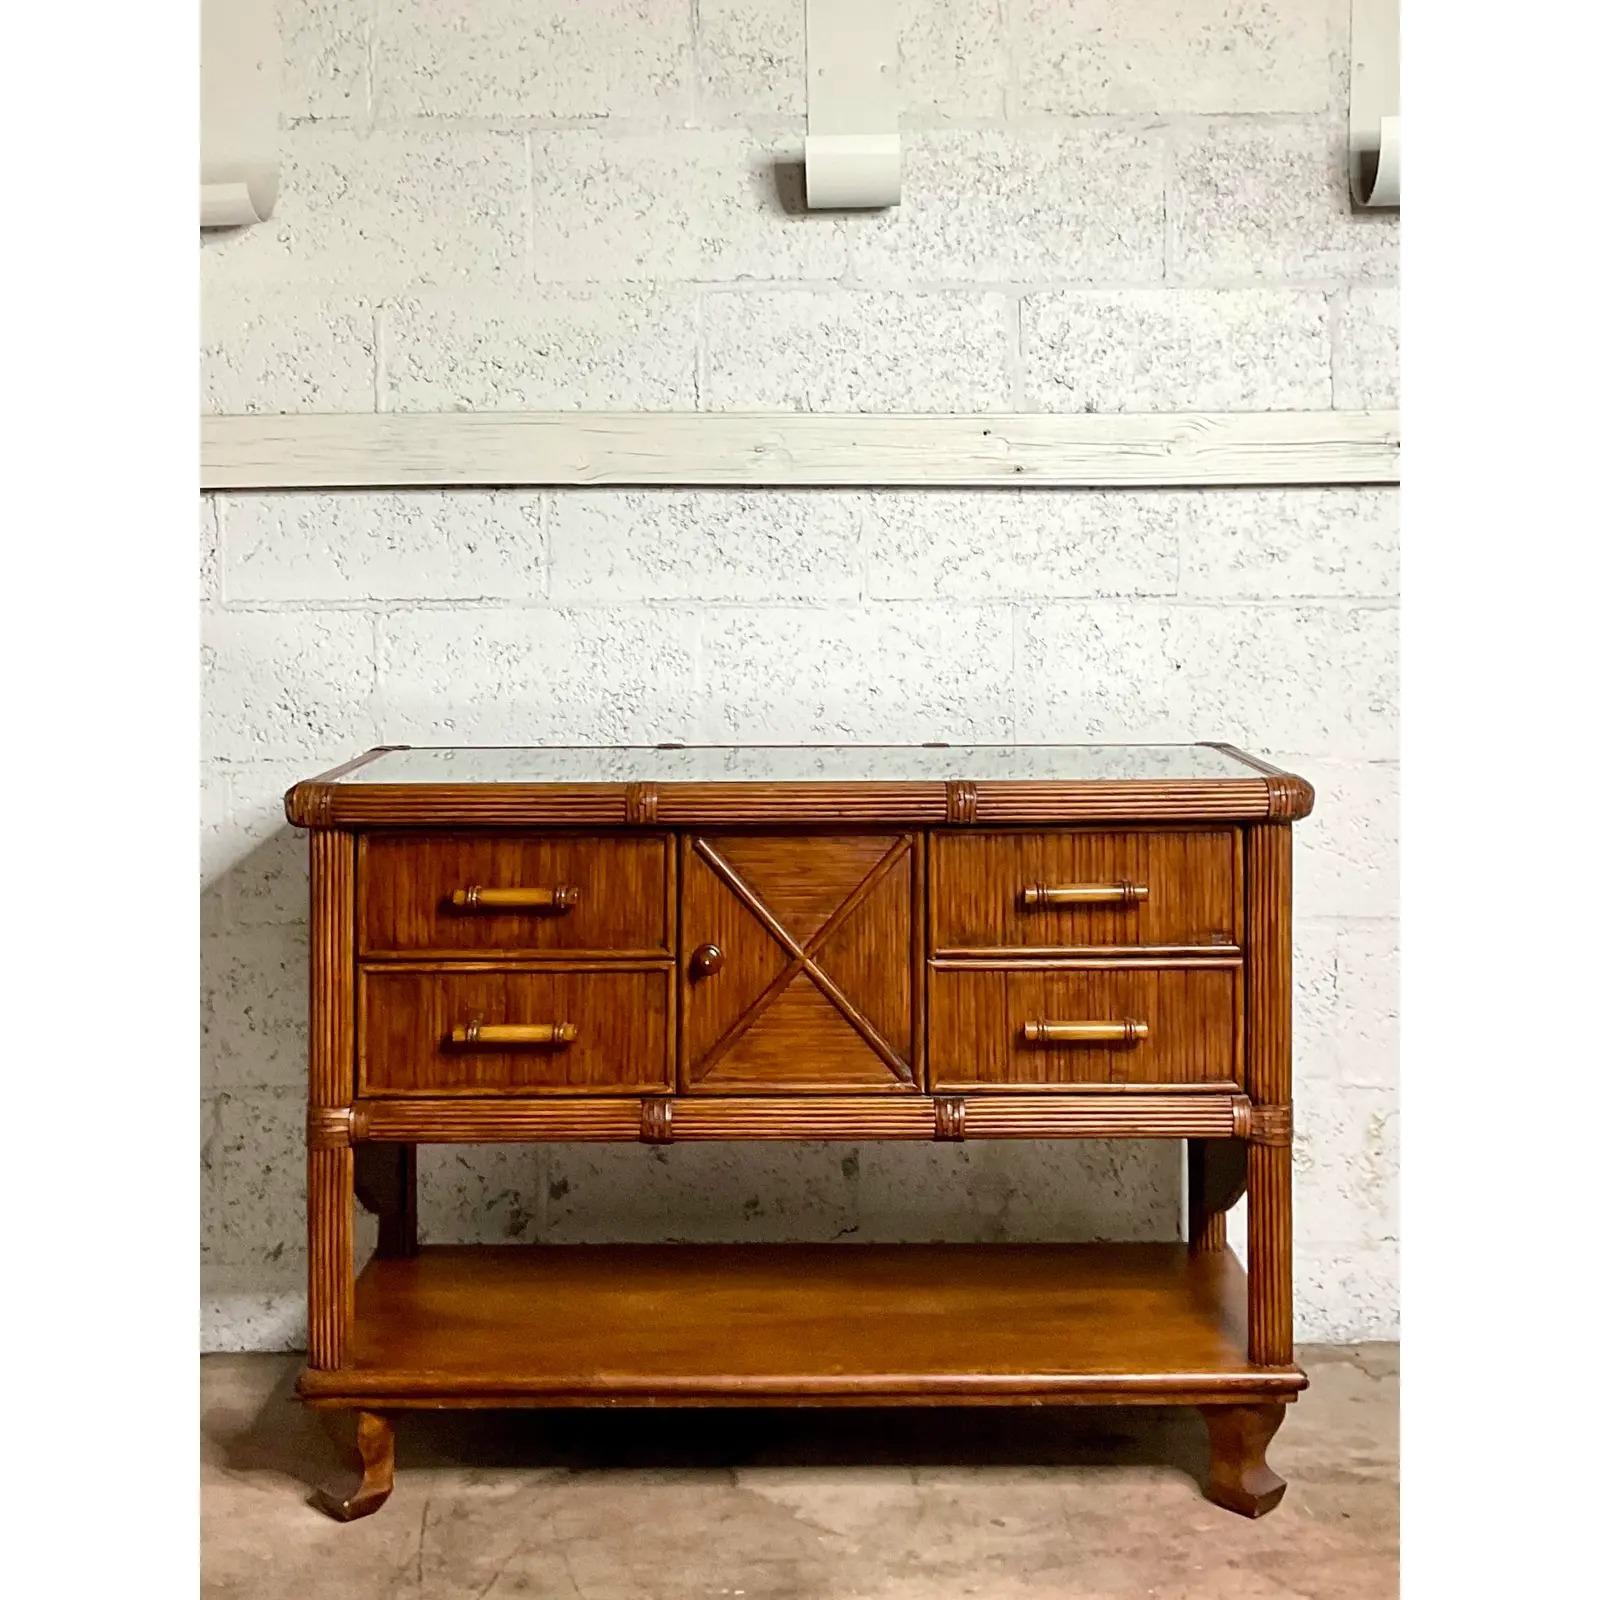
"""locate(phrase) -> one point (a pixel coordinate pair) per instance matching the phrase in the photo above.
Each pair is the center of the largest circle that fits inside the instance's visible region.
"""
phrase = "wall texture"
(537, 204)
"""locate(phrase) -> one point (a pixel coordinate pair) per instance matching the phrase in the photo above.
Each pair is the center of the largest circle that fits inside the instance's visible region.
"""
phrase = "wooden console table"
(802, 943)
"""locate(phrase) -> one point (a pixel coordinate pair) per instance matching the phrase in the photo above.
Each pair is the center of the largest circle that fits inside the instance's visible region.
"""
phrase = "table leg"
(1240, 1478)
(375, 1449)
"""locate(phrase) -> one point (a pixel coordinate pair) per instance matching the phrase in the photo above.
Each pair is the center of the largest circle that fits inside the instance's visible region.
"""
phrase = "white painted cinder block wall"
(538, 204)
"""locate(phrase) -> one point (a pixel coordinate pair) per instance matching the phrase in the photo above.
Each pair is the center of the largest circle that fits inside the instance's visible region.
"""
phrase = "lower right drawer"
(1031, 1027)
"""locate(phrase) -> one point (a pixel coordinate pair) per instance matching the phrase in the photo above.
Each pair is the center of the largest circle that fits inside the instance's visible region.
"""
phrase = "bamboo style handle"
(533, 1033)
(476, 898)
(1126, 1032)
(1085, 894)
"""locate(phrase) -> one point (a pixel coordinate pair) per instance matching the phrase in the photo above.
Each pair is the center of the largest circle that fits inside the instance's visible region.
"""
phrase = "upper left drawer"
(512, 893)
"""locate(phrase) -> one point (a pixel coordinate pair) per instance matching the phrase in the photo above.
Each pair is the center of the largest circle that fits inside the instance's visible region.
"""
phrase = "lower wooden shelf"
(686, 1325)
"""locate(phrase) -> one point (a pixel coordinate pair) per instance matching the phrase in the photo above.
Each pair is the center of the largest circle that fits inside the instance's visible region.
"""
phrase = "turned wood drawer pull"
(1128, 1032)
(706, 960)
(500, 1033)
(1084, 894)
(476, 898)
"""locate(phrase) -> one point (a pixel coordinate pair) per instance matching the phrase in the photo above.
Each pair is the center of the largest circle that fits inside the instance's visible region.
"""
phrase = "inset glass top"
(775, 763)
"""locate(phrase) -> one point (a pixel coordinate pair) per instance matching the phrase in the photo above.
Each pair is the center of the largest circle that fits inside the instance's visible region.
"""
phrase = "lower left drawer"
(502, 1031)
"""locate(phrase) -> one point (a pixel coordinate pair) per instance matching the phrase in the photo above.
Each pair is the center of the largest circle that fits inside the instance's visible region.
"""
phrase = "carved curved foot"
(1240, 1479)
(375, 1447)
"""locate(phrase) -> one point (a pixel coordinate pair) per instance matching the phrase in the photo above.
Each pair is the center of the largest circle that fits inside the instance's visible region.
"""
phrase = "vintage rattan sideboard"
(925, 943)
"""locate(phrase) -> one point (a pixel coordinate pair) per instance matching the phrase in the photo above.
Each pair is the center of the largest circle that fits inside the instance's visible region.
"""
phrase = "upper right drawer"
(1071, 888)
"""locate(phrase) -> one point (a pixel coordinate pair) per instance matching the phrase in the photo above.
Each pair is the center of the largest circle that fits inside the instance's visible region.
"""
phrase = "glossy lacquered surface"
(980, 1020)
(723, 1323)
(618, 1022)
(812, 984)
(951, 945)
(617, 893)
(1184, 888)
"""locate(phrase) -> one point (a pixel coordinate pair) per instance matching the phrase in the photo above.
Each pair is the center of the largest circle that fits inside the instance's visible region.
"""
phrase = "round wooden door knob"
(706, 960)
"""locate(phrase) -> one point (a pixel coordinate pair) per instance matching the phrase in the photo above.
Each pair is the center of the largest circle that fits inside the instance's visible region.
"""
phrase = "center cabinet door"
(797, 962)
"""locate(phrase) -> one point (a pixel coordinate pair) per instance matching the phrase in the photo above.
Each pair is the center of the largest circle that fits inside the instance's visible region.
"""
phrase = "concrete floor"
(801, 1505)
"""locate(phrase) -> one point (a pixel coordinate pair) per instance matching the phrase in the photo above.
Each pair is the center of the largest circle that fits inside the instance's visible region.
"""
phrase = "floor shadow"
(278, 1434)
(271, 1433)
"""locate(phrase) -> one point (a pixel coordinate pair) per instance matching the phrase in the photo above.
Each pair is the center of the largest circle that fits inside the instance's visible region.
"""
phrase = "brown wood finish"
(618, 1021)
(1269, 997)
(374, 1444)
(980, 886)
(979, 1020)
(321, 803)
(330, 1172)
(1086, 1111)
(1240, 1478)
(811, 984)
(1216, 1179)
(609, 895)
(713, 1324)
(386, 1184)
(812, 960)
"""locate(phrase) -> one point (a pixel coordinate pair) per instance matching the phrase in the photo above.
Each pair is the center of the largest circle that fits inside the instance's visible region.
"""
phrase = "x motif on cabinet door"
(812, 980)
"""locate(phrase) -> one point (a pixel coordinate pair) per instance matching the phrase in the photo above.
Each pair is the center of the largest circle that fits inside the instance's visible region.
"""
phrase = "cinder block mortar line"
(383, 295)
(1011, 88)
(546, 544)
(760, 125)
(969, 286)
(446, 604)
(1367, 921)
(380, 358)
(1336, 43)
(370, 100)
(374, 644)
(1024, 122)
(768, 125)
(1338, 303)
(699, 700)
(382, 653)
(530, 207)
(701, 358)
(862, 559)
(1280, 756)
(1169, 172)
(1018, 624)
(217, 603)
(695, 112)
(1328, 321)
(1016, 360)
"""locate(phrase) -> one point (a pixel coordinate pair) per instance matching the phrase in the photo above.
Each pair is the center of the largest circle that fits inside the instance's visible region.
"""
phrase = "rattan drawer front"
(1033, 1027)
(497, 1031)
(1071, 888)
(512, 893)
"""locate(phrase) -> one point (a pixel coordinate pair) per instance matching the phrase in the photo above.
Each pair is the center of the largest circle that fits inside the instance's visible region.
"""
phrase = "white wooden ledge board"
(583, 447)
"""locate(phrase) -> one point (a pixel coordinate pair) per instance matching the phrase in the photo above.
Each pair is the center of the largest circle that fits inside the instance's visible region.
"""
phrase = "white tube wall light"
(852, 104)
(1375, 102)
(239, 56)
